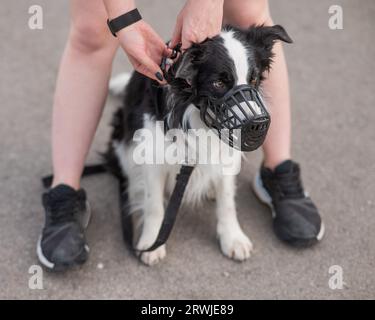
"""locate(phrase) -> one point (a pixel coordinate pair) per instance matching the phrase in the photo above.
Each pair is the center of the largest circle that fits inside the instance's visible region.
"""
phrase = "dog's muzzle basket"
(240, 118)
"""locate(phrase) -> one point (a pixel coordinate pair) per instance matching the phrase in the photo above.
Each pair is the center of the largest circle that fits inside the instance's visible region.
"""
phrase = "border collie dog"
(233, 58)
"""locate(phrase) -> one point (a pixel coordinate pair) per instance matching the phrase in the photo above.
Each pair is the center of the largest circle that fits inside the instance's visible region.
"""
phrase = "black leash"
(174, 204)
(87, 171)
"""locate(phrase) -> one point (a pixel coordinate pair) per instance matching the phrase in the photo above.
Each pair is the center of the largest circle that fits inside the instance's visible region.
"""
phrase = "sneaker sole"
(61, 267)
(265, 198)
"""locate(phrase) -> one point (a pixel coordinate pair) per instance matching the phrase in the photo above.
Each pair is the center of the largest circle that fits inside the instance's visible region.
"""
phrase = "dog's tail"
(118, 83)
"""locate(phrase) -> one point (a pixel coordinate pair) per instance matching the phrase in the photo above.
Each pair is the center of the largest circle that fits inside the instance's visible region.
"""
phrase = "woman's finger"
(156, 41)
(167, 52)
(176, 37)
(186, 43)
(151, 66)
(139, 67)
(145, 72)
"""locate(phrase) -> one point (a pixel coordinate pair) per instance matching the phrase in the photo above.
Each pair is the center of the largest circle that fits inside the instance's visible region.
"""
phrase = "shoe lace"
(289, 185)
(65, 209)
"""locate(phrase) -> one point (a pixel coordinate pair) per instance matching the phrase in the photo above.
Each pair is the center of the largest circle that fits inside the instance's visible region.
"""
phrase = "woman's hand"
(197, 21)
(140, 42)
(144, 49)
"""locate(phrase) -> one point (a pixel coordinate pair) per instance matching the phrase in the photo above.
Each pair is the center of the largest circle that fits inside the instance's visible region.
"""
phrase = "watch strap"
(123, 21)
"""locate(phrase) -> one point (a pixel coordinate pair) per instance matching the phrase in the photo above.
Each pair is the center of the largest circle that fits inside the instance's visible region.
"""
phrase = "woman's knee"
(244, 13)
(89, 31)
(88, 37)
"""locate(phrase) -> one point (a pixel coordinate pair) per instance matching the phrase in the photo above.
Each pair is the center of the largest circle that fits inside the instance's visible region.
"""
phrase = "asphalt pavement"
(333, 97)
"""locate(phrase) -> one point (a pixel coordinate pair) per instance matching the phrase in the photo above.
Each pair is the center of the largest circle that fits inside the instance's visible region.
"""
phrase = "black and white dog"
(215, 66)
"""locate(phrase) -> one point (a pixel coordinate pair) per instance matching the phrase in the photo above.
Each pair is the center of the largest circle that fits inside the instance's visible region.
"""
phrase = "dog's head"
(215, 66)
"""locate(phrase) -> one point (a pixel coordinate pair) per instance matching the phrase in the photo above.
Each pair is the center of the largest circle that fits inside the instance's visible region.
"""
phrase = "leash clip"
(164, 61)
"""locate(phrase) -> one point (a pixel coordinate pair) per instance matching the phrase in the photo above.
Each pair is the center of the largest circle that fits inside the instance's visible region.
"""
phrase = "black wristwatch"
(123, 21)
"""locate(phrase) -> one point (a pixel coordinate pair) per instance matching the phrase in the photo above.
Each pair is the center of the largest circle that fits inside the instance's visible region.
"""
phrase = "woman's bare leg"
(297, 221)
(81, 89)
(244, 13)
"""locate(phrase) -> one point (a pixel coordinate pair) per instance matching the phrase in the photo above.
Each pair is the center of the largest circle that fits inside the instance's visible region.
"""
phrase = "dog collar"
(164, 62)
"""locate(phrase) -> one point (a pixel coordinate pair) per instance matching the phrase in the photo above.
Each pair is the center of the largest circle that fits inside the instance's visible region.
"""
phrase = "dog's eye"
(218, 84)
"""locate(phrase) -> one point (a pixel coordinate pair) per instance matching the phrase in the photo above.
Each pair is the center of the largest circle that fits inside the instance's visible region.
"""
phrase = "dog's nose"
(254, 133)
(260, 123)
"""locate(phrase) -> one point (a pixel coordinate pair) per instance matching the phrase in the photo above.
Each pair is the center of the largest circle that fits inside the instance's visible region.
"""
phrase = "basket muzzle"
(239, 118)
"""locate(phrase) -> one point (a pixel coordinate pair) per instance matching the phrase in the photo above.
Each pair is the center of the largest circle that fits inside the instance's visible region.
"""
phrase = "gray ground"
(333, 138)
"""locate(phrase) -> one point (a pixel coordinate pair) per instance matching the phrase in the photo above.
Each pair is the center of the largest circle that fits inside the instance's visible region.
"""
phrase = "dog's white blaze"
(238, 53)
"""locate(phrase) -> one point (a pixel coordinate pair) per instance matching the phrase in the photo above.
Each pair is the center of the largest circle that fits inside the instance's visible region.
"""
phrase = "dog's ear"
(187, 68)
(264, 38)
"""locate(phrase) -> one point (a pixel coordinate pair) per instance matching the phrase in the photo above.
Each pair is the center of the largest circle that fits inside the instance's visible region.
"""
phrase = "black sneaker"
(296, 218)
(62, 243)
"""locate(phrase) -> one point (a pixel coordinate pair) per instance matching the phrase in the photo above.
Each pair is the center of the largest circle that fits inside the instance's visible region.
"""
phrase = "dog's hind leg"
(234, 243)
(153, 213)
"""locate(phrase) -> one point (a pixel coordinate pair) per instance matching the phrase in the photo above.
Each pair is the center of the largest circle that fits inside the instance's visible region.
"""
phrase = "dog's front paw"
(235, 244)
(153, 257)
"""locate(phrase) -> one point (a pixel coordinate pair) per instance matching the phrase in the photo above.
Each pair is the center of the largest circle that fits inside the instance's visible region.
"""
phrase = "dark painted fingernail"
(159, 76)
